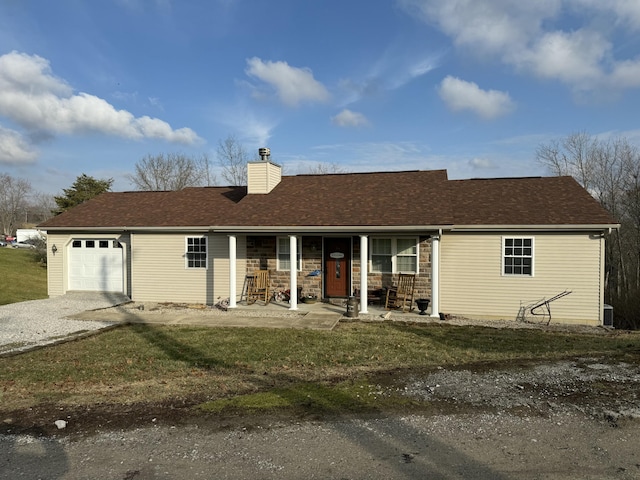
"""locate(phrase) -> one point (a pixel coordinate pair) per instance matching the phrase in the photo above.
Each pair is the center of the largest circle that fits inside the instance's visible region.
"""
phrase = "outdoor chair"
(258, 288)
(400, 295)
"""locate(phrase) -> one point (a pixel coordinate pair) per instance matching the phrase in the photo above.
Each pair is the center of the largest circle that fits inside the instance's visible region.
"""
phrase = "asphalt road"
(481, 446)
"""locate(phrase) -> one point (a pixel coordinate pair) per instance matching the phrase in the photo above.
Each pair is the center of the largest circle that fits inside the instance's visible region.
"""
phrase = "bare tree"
(573, 155)
(14, 194)
(325, 168)
(40, 208)
(233, 158)
(205, 167)
(173, 171)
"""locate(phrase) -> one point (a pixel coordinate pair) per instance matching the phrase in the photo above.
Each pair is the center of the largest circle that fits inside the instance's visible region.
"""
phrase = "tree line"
(609, 169)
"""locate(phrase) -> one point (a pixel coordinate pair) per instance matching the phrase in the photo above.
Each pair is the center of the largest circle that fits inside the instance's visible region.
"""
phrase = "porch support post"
(364, 264)
(435, 274)
(293, 281)
(232, 271)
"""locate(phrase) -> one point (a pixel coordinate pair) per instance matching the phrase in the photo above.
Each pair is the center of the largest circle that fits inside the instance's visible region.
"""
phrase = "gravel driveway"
(39, 322)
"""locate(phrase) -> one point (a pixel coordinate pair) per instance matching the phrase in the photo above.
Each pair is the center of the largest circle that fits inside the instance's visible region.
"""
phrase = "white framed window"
(283, 253)
(517, 256)
(196, 256)
(394, 255)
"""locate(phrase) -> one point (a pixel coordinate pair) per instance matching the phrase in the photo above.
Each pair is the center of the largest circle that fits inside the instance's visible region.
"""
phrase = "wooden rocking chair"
(401, 294)
(258, 288)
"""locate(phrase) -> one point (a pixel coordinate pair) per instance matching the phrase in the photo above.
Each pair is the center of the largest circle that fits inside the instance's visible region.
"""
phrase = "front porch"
(333, 267)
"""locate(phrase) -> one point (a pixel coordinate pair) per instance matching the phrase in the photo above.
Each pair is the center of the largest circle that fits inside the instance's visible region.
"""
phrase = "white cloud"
(625, 12)
(393, 70)
(377, 156)
(461, 95)
(626, 74)
(32, 97)
(574, 58)
(348, 118)
(252, 129)
(14, 149)
(486, 26)
(293, 85)
(481, 164)
(155, 102)
(571, 41)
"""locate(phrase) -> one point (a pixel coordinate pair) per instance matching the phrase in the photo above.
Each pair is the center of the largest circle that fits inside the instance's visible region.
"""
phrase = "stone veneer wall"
(375, 280)
(261, 255)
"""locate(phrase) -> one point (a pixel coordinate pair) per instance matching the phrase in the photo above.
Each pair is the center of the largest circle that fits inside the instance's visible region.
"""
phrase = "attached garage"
(96, 265)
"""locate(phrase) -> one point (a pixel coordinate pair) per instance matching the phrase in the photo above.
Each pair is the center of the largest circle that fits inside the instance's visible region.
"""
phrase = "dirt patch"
(601, 390)
(569, 419)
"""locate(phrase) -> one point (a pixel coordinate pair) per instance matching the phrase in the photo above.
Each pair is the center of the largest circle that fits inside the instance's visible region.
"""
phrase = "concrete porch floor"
(332, 306)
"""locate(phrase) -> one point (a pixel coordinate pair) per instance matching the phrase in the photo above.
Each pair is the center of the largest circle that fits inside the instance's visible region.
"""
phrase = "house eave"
(122, 229)
(329, 229)
(536, 228)
(337, 229)
(256, 229)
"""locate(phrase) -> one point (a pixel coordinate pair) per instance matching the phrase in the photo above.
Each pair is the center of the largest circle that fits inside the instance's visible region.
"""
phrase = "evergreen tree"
(83, 189)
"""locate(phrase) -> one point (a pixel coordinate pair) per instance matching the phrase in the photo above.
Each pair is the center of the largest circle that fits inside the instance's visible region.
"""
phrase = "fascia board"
(258, 229)
(546, 228)
(330, 229)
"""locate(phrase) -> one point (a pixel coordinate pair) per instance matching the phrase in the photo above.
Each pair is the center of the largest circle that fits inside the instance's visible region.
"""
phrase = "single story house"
(480, 248)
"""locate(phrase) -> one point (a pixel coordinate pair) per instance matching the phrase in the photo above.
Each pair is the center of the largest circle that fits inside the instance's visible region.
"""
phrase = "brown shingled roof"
(385, 199)
(525, 201)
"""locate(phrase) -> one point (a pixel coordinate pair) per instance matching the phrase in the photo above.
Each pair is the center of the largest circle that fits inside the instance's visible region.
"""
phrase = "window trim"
(298, 253)
(394, 253)
(504, 256)
(186, 250)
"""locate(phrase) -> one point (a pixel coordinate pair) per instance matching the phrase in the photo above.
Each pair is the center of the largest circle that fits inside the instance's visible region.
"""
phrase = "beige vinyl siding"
(472, 284)
(262, 177)
(56, 271)
(159, 272)
(274, 175)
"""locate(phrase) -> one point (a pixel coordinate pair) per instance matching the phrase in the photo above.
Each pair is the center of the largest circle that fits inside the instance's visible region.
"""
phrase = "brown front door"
(337, 267)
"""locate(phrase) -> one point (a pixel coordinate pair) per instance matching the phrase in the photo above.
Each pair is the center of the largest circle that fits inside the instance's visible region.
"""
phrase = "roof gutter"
(329, 228)
(256, 229)
(541, 228)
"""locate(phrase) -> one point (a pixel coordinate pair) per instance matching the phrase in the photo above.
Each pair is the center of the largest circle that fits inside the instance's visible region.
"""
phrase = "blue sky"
(471, 86)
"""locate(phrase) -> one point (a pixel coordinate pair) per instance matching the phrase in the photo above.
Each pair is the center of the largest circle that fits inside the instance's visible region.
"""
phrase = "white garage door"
(95, 265)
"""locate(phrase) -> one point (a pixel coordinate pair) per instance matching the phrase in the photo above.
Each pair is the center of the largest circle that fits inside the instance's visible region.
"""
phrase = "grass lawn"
(251, 368)
(23, 277)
